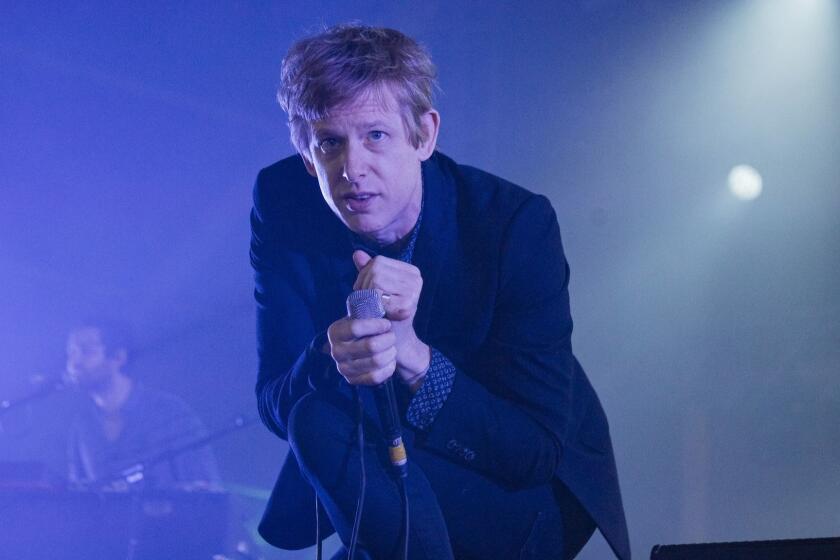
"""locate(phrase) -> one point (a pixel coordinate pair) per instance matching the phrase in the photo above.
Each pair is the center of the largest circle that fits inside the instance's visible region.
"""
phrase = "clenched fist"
(364, 350)
(400, 285)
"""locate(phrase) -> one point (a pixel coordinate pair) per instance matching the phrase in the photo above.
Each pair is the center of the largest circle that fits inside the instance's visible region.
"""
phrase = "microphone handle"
(386, 404)
(367, 304)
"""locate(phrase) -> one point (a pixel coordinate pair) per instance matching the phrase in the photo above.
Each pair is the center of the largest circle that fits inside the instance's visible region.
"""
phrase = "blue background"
(131, 133)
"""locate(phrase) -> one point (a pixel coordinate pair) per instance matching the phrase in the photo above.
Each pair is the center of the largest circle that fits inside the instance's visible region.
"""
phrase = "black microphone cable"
(365, 304)
(400, 477)
(406, 524)
(360, 437)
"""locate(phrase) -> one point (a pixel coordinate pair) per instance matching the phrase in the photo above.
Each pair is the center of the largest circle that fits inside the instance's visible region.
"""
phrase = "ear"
(309, 165)
(430, 122)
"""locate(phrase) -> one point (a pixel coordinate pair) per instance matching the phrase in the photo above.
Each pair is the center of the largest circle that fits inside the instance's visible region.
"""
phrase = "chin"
(362, 226)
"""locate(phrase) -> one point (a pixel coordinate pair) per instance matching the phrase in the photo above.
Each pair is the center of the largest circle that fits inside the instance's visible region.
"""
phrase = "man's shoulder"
(289, 167)
(477, 181)
(488, 196)
(284, 182)
(289, 208)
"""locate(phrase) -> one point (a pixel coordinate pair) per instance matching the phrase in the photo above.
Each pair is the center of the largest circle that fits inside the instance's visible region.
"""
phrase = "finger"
(369, 363)
(389, 275)
(397, 307)
(360, 259)
(397, 314)
(365, 347)
(360, 328)
(380, 376)
(347, 329)
(375, 377)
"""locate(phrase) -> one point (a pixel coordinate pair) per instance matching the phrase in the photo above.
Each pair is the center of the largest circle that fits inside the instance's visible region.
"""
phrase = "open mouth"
(359, 201)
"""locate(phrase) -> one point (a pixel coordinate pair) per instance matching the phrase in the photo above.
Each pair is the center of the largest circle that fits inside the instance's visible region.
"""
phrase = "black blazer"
(494, 301)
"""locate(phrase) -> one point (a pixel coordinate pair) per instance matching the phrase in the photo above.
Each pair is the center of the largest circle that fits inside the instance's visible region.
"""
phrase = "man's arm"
(288, 346)
(283, 326)
(504, 412)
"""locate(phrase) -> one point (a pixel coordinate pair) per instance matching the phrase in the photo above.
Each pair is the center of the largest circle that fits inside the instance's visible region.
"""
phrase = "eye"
(329, 145)
(377, 135)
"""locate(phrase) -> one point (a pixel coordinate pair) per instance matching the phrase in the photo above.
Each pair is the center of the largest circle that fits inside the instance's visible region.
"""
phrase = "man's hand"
(364, 350)
(400, 284)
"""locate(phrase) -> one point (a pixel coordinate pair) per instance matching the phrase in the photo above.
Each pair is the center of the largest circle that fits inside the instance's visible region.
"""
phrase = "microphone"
(367, 304)
(51, 383)
(44, 386)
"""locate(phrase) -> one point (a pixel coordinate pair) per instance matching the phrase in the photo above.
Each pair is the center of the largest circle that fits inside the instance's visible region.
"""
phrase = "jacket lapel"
(435, 238)
(342, 269)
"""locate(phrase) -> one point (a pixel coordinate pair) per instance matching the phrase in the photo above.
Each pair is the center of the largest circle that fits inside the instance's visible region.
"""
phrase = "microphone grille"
(365, 304)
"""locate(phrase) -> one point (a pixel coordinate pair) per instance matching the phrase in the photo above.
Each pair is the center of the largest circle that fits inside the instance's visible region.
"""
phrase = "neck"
(111, 396)
(399, 235)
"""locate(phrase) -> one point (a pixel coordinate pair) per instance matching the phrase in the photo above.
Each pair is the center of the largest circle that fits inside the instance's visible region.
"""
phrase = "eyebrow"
(322, 129)
(374, 124)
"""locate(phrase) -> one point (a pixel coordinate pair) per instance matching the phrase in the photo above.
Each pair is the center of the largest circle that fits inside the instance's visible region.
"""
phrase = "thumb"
(360, 259)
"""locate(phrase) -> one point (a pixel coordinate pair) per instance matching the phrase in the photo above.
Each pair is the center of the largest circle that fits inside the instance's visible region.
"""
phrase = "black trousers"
(455, 512)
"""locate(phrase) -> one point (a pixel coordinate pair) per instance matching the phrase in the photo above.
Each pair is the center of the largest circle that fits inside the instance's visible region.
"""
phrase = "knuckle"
(377, 343)
(331, 332)
(338, 352)
(352, 380)
(356, 328)
(380, 376)
(370, 345)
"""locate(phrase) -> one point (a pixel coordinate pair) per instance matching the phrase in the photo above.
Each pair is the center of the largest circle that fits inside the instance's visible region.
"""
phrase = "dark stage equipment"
(64, 525)
(792, 549)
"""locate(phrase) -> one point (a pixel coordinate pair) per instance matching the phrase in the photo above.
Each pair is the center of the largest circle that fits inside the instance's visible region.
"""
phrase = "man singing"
(509, 449)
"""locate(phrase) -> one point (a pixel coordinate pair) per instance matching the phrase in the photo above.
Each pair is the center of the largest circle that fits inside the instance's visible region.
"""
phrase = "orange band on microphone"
(396, 452)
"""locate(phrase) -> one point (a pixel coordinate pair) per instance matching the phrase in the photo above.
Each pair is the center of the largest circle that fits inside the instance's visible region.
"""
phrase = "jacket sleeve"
(288, 346)
(506, 413)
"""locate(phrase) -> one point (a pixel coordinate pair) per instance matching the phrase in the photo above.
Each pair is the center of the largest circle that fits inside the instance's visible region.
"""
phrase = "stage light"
(745, 182)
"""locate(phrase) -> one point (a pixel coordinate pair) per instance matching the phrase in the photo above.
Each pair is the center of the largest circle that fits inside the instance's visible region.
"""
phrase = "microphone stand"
(44, 389)
(136, 473)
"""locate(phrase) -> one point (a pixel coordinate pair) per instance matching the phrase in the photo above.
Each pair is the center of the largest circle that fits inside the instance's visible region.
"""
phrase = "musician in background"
(125, 429)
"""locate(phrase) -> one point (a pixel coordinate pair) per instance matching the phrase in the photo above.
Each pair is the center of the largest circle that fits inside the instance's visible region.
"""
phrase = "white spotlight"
(745, 182)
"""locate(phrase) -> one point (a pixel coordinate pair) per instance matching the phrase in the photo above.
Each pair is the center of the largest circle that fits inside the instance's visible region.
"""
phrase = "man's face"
(88, 362)
(368, 171)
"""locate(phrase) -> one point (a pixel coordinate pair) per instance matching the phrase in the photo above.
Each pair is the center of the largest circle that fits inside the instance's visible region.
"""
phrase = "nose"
(355, 162)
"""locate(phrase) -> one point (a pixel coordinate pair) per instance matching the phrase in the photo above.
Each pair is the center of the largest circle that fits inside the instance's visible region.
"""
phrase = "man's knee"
(318, 427)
